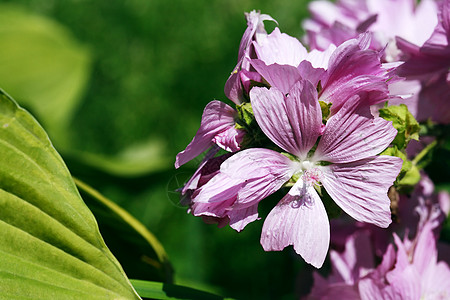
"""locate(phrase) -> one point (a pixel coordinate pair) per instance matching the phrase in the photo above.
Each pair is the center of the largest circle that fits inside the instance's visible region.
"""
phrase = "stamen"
(312, 176)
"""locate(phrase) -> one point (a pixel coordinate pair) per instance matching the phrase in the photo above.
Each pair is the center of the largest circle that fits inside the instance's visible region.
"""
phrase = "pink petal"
(320, 59)
(282, 77)
(353, 134)
(356, 260)
(425, 252)
(239, 218)
(280, 48)
(328, 291)
(217, 117)
(436, 281)
(308, 72)
(351, 59)
(217, 209)
(434, 100)
(257, 163)
(360, 188)
(261, 172)
(292, 122)
(209, 165)
(223, 213)
(370, 290)
(233, 86)
(301, 222)
(251, 174)
(371, 89)
(353, 65)
(247, 79)
(219, 189)
(324, 12)
(406, 285)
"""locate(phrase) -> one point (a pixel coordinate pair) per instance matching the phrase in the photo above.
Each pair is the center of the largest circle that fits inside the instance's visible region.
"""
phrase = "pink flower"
(386, 19)
(217, 128)
(404, 31)
(348, 267)
(411, 271)
(351, 68)
(344, 162)
(430, 63)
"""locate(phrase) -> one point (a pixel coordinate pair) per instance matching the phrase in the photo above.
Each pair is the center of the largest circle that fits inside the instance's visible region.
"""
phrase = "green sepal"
(409, 174)
(326, 110)
(246, 117)
(254, 137)
(405, 123)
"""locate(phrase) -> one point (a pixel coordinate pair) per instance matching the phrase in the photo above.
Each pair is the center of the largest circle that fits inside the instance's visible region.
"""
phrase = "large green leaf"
(141, 254)
(50, 246)
(43, 66)
(165, 291)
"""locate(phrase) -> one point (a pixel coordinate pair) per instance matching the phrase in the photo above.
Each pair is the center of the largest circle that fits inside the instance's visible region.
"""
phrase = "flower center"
(312, 176)
(308, 172)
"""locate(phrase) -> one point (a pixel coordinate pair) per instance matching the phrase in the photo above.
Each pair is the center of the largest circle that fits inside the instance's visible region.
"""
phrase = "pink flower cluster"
(411, 271)
(416, 34)
(303, 123)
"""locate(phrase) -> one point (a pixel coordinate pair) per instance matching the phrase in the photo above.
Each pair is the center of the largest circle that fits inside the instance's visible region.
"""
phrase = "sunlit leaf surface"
(50, 246)
(139, 251)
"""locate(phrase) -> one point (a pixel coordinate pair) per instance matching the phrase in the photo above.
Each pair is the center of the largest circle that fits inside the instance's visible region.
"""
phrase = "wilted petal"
(217, 117)
(247, 78)
(300, 221)
(255, 28)
(230, 139)
(292, 122)
(439, 41)
(353, 134)
(360, 188)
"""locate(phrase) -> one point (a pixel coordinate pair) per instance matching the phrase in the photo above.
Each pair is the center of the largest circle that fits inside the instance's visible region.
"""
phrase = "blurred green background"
(120, 87)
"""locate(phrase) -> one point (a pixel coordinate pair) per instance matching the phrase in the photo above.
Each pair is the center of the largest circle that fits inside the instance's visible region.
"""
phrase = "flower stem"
(424, 152)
